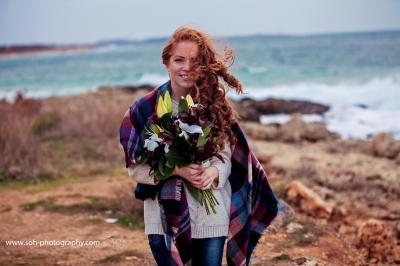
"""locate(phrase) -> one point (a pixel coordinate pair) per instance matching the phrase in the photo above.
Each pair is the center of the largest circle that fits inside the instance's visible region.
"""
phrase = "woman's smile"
(183, 57)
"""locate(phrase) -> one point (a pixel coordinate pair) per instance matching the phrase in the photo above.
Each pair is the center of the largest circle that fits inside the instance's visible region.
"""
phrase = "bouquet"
(179, 140)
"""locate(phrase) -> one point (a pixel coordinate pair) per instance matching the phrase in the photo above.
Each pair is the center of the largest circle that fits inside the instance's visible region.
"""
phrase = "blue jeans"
(205, 251)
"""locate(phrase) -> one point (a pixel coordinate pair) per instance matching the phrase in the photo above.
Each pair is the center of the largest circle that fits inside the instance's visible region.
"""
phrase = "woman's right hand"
(191, 173)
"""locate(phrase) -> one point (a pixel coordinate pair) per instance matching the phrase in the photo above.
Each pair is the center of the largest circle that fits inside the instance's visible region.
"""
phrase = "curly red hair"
(210, 72)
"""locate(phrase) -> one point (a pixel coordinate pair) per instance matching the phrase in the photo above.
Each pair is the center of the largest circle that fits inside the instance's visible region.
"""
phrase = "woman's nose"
(186, 66)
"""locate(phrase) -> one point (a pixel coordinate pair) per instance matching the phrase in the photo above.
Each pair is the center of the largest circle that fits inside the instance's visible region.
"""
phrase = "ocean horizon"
(356, 74)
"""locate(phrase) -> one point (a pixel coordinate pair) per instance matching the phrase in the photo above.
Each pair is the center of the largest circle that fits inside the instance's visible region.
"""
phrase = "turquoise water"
(261, 61)
(357, 75)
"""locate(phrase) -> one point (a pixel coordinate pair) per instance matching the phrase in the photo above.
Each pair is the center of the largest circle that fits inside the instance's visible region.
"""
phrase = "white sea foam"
(45, 92)
(350, 122)
(151, 79)
(356, 110)
(376, 93)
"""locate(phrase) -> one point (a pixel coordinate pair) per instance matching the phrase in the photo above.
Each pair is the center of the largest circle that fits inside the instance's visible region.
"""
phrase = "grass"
(5, 209)
(120, 257)
(34, 186)
(92, 221)
(30, 206)
(125, 218)
(131, 221)
(285, 243)
(282, 257)
(94, 204)
(307, 235)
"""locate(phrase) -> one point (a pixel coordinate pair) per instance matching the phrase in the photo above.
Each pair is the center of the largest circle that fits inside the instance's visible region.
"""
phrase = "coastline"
(16, 50)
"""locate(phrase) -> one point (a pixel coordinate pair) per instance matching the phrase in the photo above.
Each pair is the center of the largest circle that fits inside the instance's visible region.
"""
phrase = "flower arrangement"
(179, 140)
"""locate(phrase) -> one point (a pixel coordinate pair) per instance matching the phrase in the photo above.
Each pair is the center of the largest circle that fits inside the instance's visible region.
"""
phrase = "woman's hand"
(207, 177)
(191, 173)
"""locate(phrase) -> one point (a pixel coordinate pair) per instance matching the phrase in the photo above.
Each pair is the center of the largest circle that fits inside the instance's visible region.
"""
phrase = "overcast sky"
(85, 21)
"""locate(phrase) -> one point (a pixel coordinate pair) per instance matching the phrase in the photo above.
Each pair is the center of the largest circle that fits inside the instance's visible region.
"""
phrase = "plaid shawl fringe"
(253, 204)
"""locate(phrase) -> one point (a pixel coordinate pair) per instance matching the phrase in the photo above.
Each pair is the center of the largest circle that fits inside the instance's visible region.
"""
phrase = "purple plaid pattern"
(176, 219)
(253, 204)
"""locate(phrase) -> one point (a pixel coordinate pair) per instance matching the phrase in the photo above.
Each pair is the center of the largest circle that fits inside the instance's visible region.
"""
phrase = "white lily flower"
(190, 129)
(152, 143)
(155, 137)
(184, 134)
(166, 148)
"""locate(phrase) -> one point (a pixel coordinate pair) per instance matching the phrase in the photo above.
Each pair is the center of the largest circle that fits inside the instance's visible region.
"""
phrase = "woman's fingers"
(207, 183)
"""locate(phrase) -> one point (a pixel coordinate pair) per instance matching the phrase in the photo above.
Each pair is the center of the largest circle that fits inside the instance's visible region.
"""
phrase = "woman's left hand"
(207, 177)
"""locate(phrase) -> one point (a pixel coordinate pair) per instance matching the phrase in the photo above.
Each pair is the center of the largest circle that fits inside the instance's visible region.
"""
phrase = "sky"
(88, 21)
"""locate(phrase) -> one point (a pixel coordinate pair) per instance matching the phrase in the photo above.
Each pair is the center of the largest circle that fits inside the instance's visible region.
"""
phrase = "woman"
(179, 230)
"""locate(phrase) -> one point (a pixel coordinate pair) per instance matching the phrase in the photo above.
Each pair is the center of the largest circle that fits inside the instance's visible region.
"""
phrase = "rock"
(307, 200)
(130, 89)
(338, 213)
(317, 131)
(246, 111)
(397, 160)
(346, 230)
(384, 145)
(378, 240)
(300, 261)
(251, 110)
(285, 215)
(305, 262)
(293, 227)
(397, 230)
(258, 131)
(296, 130)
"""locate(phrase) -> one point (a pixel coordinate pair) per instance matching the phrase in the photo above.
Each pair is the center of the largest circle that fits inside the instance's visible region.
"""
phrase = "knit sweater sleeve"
(140, 173)
(224, 168)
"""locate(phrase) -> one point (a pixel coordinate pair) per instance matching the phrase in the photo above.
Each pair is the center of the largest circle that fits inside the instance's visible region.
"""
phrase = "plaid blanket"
(253, 204)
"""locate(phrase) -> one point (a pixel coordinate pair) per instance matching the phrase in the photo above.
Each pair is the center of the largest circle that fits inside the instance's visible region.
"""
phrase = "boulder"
(262, 132)
(307, 200)
(296, 130)
(383, 145)
(285, 216)
(250, 109)
(318, 131)
(379, 241)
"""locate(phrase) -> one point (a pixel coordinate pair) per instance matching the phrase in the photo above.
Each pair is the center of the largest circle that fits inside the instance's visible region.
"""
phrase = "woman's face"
(184, 55)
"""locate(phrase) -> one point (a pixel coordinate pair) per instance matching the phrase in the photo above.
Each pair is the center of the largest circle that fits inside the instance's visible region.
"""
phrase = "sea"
(356, 74)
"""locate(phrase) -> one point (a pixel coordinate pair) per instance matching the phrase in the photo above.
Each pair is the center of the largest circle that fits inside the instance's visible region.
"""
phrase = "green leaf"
(176, 158)
(201, 141)
(154, 129)
(170, 164)
(161, 167)
(206, 130)
(142, 158)
(158, 175)
(183, 106)
(168, 171)
(195, 192)
(165, 120)
(204, 137)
